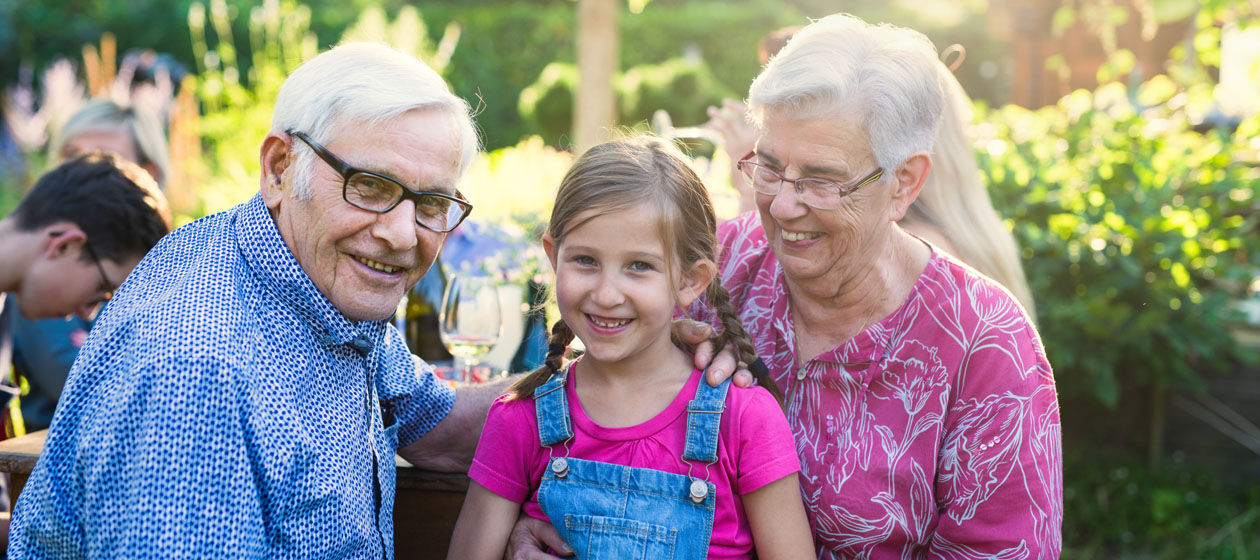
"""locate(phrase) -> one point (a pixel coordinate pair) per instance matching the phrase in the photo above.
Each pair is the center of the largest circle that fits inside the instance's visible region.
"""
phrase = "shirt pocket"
(597, 537)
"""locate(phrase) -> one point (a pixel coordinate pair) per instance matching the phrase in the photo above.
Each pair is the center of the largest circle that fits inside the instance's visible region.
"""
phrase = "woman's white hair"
(881, 75)
(361, 85)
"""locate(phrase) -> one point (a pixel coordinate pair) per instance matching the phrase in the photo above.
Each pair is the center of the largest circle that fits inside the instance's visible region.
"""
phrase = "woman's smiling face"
(811, 243)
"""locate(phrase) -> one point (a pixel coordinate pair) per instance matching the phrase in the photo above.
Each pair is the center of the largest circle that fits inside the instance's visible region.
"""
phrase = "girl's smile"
(618, 292)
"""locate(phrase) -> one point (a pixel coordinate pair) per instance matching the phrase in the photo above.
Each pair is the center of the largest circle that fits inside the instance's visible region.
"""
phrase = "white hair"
(882, 75)
(363, 84)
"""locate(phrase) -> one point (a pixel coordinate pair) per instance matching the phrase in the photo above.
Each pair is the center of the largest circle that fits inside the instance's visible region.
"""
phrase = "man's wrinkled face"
(364, 262)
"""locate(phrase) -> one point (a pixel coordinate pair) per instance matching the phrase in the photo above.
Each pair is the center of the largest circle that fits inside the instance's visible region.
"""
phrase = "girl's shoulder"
(509, 408)
(755, 399)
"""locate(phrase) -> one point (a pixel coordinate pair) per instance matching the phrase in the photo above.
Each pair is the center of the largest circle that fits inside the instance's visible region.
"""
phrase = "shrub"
(1136, 231)
(547, 104)
(681, 87)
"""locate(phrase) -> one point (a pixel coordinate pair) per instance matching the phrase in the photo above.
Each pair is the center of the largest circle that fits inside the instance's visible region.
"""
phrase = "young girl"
(627, 451)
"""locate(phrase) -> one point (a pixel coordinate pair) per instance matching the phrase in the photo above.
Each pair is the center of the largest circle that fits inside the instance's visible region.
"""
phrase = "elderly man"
(243, 396)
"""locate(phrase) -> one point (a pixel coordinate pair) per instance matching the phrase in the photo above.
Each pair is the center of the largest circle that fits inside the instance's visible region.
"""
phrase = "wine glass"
(470, 323)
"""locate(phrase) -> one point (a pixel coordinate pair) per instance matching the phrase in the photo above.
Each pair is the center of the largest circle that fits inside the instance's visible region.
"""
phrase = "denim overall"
(608, 511)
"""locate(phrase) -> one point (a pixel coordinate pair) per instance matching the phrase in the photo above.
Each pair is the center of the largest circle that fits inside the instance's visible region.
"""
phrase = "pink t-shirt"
(754, 449)
(933, 433)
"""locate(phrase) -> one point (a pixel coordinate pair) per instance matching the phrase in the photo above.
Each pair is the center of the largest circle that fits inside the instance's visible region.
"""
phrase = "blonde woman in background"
(134, 133)
(953, 210)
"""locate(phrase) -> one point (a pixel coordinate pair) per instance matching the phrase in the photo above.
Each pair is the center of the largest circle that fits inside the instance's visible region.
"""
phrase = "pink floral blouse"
(933, 433)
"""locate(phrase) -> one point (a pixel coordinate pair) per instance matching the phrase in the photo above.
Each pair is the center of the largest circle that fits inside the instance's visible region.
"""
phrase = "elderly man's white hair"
(883, 76)
(360, 85)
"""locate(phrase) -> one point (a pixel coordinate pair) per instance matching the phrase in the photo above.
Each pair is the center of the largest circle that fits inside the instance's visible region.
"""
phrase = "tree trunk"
(594, 110)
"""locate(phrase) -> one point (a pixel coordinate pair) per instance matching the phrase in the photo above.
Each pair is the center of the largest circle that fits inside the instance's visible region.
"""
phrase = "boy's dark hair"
(115, 202)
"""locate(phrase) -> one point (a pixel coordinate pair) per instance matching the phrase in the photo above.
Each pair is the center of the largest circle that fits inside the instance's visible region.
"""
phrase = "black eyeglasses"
(107, 291)
(818, 193)
(374, 192)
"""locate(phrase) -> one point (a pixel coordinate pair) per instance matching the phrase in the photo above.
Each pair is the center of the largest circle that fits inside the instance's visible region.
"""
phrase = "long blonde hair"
(635, 172)
(955, 202)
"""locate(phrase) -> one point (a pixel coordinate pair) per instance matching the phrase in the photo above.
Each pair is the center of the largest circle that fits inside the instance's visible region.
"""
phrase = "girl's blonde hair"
(955, 202)
(635, 172)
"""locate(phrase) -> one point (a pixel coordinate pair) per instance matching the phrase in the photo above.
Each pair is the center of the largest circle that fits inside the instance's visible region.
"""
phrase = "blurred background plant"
(1133, 197)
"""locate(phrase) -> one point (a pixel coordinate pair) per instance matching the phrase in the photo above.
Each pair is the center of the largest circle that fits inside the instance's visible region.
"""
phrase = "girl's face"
(614, 287)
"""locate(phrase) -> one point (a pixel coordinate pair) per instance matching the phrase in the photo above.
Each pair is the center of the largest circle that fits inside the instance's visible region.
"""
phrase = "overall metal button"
(560, 467)
(699, 491)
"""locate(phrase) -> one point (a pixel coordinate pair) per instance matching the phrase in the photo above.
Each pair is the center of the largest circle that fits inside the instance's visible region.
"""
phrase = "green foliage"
(547, 104)
(406, 33)
(1118, 508)
(681, 87)
(503, 49)
(236, 99)
(1136, 231)
(506, 46)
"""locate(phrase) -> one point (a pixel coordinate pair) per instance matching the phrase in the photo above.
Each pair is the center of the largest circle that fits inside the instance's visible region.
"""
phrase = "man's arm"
(156, 465)
(449, 446)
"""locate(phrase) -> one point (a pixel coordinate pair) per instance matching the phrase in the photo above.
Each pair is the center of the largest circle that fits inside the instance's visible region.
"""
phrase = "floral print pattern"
(933, 433)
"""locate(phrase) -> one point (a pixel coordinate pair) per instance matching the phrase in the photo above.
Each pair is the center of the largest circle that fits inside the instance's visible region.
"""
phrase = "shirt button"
(361, 344)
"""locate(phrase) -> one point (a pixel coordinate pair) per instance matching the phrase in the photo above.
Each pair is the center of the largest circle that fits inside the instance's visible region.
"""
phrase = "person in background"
(627, 451)
(133, 132)
(953, 211)
(72, 240)
(44, 349)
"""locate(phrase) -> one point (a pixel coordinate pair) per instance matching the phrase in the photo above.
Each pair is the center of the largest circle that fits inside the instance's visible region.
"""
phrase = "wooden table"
(425, 505)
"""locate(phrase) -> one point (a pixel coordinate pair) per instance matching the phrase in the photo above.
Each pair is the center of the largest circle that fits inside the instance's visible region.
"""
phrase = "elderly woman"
(923, 406)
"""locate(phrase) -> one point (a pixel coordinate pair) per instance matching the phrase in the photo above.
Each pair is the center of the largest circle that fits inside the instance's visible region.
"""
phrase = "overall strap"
(551, 406)
(704, 417)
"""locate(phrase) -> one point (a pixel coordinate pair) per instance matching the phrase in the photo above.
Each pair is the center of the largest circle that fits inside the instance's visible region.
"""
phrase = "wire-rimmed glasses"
(817, 193)
(375, 192)
(107, 286)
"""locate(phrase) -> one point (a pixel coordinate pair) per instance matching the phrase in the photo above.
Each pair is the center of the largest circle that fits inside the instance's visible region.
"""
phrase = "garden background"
(1120, 140)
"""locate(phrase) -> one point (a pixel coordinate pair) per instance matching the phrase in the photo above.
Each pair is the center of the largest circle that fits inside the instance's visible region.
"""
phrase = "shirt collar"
(271, 261)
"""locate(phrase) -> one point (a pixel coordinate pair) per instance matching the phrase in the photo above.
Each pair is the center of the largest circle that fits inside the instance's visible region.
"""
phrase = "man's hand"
(717, 368)
(530, 536)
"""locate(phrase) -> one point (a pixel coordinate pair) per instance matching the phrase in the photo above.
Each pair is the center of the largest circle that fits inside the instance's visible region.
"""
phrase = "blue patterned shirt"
(223, 407)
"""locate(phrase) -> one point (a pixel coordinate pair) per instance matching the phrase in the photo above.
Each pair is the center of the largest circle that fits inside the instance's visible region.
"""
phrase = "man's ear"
(274, 159)
(695, 281)
(63, 239)
(910, 178)
(549, 247)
